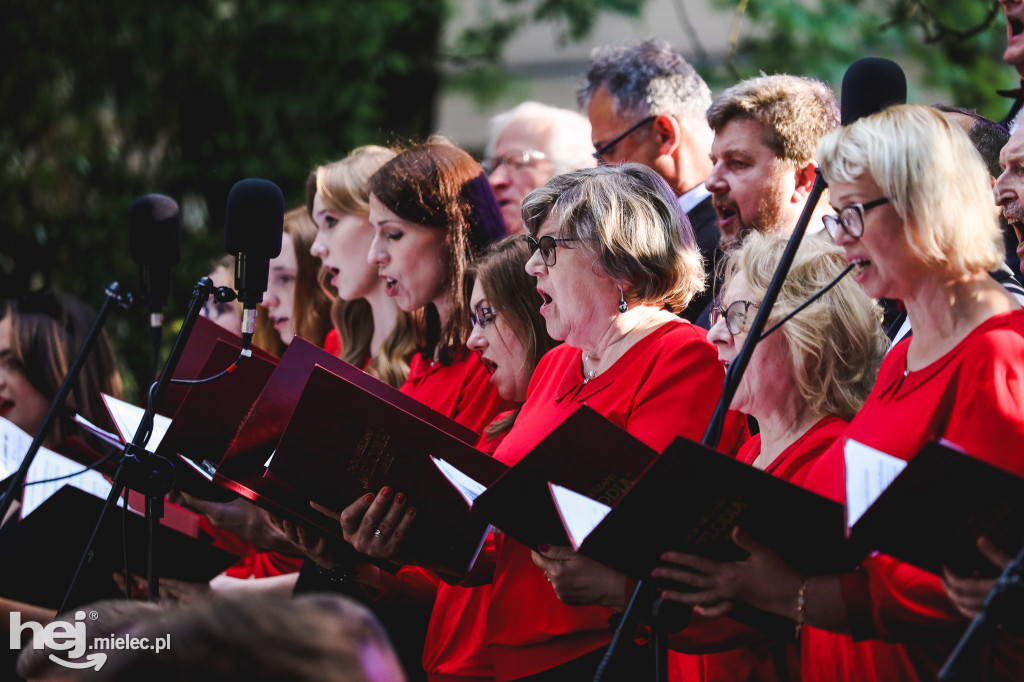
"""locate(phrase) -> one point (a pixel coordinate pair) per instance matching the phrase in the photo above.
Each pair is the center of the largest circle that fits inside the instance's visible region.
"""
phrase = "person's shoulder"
(999, 337)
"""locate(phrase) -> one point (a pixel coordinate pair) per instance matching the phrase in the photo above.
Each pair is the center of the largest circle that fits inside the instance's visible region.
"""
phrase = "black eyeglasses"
(850, 219)
(483, 316)
(547, 245)
(607, 147)
(735, 315)
(513, 161)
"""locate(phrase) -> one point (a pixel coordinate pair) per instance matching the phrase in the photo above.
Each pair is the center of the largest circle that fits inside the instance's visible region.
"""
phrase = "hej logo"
(58, 636)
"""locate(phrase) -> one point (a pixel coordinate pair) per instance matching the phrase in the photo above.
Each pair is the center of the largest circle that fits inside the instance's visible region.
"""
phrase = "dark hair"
(47, 330)
(648, 79)
(987, 136)
(436, 184)
(502, 274)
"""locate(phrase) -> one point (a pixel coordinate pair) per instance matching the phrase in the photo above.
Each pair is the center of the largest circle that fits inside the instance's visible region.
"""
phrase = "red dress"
(456, 643)
(755, 657)
(664, 386)
(332, 344)
(974, 397)
(461, 391)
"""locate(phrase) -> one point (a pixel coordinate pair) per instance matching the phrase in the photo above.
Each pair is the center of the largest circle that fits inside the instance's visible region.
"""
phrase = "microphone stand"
(139, 469)
(714, 431)
(114, 295)
(1007, 592)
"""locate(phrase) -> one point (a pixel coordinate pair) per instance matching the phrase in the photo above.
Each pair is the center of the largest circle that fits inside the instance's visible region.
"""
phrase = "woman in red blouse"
(614, 261)
(915, 214)
(805, 381)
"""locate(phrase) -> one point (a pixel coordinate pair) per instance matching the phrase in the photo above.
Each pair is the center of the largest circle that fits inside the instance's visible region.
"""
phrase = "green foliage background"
(106, 100)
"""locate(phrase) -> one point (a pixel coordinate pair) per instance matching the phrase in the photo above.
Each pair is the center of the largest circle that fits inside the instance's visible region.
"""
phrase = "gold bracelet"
(801, 602)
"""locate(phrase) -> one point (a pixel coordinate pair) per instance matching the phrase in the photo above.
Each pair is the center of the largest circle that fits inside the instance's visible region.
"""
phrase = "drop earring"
(622, 302)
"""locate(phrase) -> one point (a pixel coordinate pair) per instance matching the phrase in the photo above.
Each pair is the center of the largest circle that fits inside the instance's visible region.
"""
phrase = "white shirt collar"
(689, 200)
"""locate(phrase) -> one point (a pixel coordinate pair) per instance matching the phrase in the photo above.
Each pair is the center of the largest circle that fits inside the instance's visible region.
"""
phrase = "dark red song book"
(932, 514)
(587, 453)
(690, 498)
(209, 416)
(343, 442)
(194, 361)
(243, 467)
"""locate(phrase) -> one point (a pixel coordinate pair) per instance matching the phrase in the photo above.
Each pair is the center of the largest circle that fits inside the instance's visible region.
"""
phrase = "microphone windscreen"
(870, 85)
(254, 219)
(154, 230)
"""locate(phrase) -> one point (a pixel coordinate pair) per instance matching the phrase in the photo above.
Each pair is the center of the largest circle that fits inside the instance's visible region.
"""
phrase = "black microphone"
(253, 225)
(154, 242)
(870, 85)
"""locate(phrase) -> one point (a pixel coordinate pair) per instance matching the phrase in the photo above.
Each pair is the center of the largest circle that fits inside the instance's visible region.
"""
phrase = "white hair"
(568, 144)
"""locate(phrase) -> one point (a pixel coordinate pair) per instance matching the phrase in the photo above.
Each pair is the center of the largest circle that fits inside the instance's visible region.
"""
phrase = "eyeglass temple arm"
(713, 434)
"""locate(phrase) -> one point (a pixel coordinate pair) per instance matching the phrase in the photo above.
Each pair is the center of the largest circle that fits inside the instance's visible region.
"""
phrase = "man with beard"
(766, 133)
(1009, 187)
(647, 105)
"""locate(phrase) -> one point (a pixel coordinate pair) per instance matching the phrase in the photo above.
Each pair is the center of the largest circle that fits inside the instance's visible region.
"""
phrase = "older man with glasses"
(528, 146)
(647, 105)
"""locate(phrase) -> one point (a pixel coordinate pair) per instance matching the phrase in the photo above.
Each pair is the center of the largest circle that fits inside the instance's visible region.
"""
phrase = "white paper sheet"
(580, 514)
(49, 465)
(868, 473)
(469, 488)
(14, 443)
(127, 417)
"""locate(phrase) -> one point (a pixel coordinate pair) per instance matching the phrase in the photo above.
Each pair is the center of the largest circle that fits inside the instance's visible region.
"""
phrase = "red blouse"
(461, 391)
(332, 344)
(456, 643)
(749, 654)
(974, 397)
(664, 386)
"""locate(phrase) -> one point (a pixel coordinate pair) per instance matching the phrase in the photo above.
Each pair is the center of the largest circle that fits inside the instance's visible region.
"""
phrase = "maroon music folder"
(586, 452)
(193, 363)
(343, 442)
(209, 416)
(935, 510)
(327, 388)
(691, 497)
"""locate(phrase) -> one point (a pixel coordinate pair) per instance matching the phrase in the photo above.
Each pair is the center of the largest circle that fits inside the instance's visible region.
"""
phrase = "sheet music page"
(102, 434)
(868, 473)
(48, 465)
(580, 514)
(14, 443)
(127, 417)
(469, 488)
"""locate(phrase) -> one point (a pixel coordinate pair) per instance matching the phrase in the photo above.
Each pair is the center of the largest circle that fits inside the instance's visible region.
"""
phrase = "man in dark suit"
(647, 105)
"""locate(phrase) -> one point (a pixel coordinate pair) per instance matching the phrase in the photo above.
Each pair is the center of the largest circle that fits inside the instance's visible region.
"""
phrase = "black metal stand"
(1002, 602)
(114, 296)
(140, 469)
(715, 426)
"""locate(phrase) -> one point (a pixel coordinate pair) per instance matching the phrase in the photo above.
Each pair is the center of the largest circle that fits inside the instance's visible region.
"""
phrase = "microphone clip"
(123, 299)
